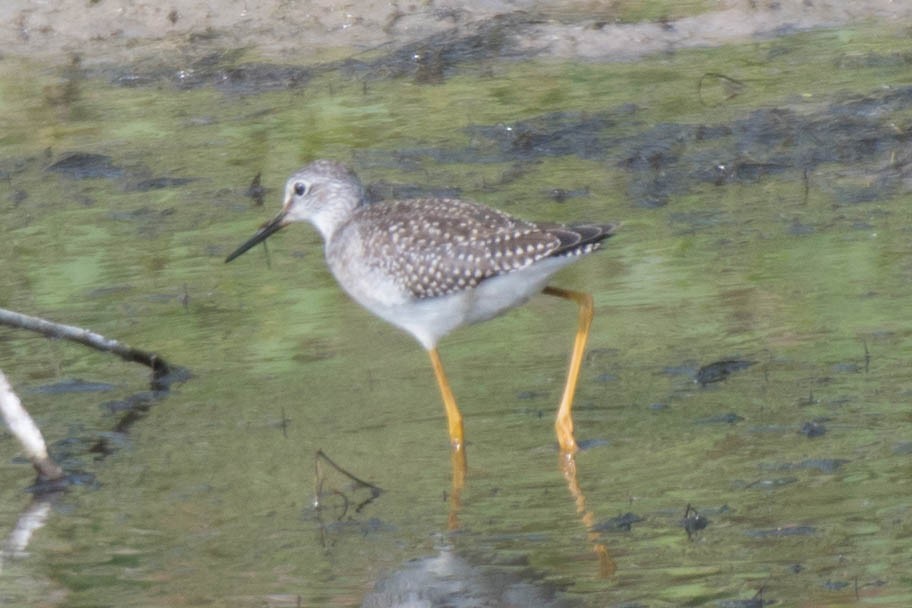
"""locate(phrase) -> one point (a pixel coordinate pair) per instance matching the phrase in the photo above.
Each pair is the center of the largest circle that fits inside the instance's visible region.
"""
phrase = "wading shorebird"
(431, 265)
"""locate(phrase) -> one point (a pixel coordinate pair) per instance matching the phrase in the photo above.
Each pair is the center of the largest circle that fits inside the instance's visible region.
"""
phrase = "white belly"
(430, 319)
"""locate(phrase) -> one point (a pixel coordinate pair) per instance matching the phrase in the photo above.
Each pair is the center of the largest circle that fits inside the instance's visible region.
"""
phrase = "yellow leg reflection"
(607, 565)
(458, 461)
(457, 438)
(564, 423)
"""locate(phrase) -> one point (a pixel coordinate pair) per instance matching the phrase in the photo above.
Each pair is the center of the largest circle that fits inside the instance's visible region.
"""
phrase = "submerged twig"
(26, 432)
(732, 86)
(693, 521)
(319, 478)
(159, 366)
(256, 191)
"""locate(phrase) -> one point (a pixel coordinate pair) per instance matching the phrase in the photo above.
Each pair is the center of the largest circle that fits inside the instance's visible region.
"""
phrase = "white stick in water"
(26, 431)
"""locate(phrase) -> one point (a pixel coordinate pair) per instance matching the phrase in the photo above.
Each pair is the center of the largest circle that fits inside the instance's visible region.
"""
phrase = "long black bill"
(269, 228)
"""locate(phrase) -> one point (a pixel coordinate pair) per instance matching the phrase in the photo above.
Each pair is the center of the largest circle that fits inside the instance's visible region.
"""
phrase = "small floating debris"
(86, 165)
(812, 429)
(256, 191)
(621, 523)
(588, 444)
(729, 418)
(720, 370)
(562, 195)
(693, 521)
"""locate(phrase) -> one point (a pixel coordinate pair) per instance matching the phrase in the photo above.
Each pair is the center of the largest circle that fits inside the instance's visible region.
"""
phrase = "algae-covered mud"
(743, 407)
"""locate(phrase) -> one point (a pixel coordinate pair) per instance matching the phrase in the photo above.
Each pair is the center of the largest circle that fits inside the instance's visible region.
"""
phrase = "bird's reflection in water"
(455, 580)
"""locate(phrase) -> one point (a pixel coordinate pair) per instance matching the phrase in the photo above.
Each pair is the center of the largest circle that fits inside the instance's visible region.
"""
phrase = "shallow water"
(766, 219)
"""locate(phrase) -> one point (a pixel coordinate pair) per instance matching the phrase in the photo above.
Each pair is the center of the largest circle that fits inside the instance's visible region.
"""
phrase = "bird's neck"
(331, 219)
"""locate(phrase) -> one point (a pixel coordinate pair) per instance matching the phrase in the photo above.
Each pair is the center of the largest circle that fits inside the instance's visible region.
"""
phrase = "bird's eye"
(300, 188)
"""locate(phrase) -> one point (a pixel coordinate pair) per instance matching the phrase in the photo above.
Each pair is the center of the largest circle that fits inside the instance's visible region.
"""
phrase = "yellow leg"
(564, 423)
(454, 417)
(457, 438)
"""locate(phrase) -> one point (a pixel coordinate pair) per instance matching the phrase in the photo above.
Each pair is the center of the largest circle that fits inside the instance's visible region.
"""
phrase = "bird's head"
(324, 193)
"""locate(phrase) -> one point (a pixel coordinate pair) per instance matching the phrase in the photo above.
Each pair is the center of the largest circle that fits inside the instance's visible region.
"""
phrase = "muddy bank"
(125, 31)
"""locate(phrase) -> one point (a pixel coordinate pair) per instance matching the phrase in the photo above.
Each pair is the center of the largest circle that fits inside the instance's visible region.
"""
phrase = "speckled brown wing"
(445, 246)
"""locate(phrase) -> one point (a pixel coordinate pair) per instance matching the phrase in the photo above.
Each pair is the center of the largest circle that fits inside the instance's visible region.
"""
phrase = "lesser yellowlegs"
(431, 265)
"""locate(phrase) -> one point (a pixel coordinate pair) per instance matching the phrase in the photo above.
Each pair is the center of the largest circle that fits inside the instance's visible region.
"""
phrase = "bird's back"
(435, 247)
